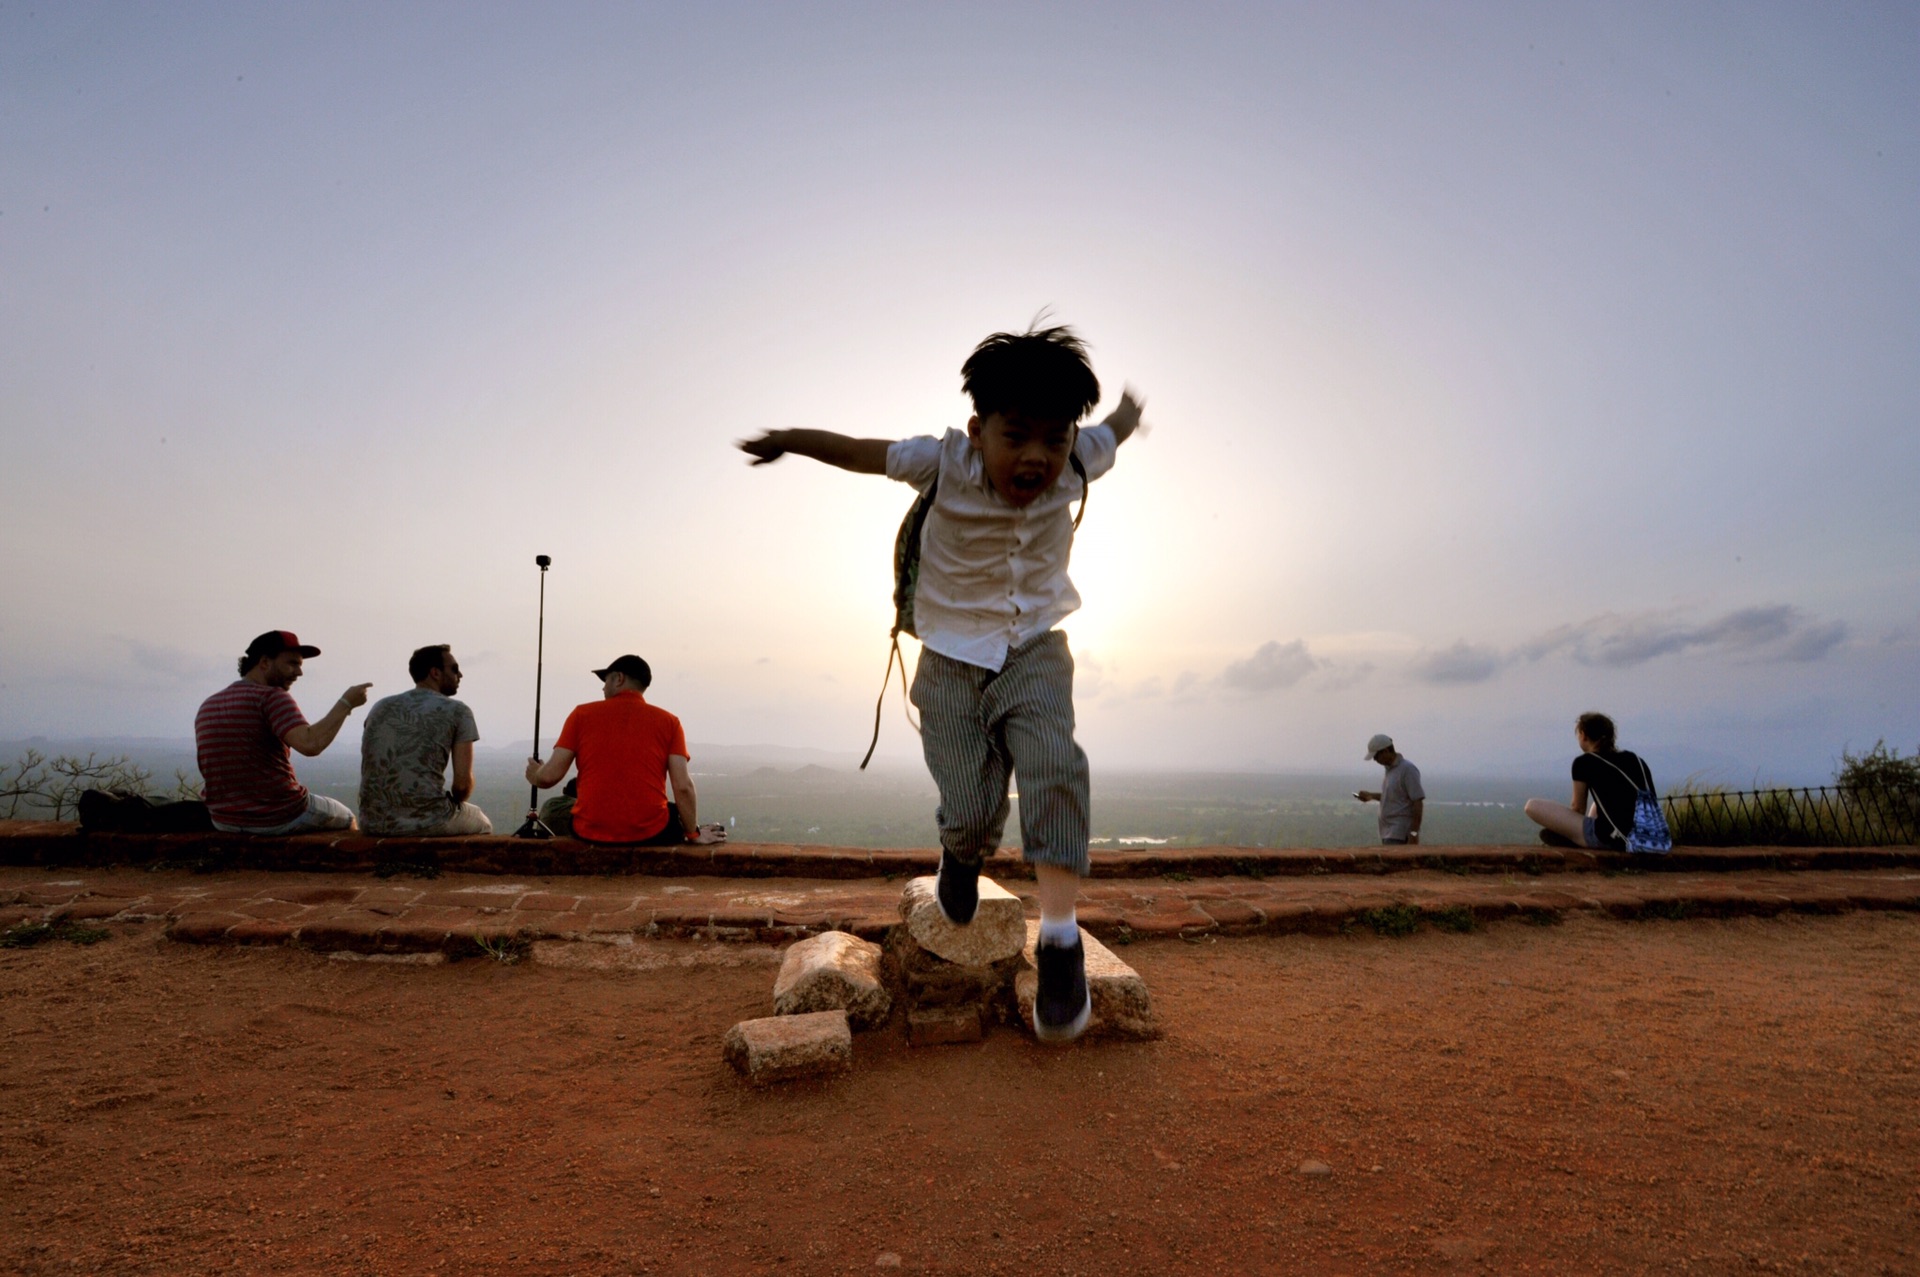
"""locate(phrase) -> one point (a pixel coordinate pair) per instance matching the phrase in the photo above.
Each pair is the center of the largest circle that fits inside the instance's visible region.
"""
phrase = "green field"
(894, 806)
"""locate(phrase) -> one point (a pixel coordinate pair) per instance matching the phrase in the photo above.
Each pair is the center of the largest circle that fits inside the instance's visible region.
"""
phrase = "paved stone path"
(54, 844)
(456, 914)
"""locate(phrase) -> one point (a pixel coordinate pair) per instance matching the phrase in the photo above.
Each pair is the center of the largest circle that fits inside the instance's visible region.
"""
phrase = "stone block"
(995, 934)
(833, 971)
(260, 931)
(922, 979)
(938, 1026)
(781, 1048)
(1121, 1007)
(1234, 915)
(203, 928)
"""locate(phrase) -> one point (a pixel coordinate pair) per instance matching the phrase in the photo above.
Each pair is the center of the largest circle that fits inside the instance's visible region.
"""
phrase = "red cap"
(274, 642)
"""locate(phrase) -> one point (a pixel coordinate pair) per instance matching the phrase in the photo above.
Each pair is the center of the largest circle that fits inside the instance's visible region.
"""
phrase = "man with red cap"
(629, 754)
(243, 732)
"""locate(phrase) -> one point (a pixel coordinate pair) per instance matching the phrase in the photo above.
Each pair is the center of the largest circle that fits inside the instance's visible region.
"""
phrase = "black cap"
(630, 665)
(274, 642)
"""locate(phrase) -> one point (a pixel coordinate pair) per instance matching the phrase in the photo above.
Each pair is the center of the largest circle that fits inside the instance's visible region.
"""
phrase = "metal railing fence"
(1816, 816)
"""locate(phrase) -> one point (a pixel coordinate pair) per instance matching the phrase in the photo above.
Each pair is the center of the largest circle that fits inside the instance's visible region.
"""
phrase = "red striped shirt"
(241, 735)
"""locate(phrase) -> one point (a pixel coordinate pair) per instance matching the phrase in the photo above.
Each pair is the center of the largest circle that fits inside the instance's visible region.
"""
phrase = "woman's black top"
(1612, 789)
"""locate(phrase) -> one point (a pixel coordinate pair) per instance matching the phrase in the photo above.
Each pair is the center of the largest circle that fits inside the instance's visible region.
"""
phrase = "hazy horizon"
(1502, 362)
(813, 796)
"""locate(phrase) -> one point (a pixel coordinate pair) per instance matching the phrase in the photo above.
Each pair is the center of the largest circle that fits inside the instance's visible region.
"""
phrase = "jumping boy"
(994, 684)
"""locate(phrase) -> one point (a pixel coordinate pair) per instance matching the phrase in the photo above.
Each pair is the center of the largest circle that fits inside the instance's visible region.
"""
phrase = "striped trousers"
(978, 728)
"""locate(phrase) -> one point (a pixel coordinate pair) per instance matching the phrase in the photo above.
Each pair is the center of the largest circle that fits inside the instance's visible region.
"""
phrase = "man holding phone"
(1402, 801)
(630, 753)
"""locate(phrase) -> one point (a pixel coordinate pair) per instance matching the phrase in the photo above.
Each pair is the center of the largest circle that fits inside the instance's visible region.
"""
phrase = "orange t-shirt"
(621, 747)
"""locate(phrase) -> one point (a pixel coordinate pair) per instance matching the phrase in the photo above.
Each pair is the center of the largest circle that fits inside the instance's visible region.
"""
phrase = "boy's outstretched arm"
(862, 456)
(1126, 418)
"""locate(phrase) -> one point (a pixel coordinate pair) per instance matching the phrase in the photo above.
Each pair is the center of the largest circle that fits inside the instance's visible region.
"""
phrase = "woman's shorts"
(1593, 840)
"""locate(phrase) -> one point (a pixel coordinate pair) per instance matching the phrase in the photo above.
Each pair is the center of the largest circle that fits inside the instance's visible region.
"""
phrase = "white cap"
(1379, 742)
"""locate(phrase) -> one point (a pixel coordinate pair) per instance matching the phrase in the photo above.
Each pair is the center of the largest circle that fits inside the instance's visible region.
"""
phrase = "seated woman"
(1605, 780)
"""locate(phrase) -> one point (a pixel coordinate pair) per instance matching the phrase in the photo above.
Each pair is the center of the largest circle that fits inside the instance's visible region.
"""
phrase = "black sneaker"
(1552, 839)
(1061, 1005)
(958, 890)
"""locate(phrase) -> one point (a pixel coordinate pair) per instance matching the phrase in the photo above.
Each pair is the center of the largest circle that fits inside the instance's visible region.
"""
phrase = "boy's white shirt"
(992, 575)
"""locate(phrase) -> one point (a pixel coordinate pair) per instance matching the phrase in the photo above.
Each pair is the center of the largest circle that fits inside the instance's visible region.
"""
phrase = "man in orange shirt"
(628, 752)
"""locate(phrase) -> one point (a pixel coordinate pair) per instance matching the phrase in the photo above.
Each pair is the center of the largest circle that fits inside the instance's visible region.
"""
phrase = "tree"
(35, 787)
(1879, 768)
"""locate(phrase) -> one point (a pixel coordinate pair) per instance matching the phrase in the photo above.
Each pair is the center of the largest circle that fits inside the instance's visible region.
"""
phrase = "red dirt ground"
(1596, 1097)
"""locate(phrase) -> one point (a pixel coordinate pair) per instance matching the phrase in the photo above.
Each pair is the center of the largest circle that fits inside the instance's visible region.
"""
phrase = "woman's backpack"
(1648, 834)
(906, 582)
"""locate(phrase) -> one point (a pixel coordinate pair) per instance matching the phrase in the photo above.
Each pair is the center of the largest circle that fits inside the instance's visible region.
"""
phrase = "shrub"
(1879, 768)
(1392, 920)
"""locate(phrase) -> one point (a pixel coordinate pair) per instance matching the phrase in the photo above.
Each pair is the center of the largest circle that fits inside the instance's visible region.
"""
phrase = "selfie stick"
(533, 828)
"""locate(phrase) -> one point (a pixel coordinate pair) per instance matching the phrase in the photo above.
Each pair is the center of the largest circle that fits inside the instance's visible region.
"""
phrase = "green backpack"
(906, 582)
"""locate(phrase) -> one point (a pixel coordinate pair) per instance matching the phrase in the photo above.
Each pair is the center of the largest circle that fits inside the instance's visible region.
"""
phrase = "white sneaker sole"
(1063, 1032)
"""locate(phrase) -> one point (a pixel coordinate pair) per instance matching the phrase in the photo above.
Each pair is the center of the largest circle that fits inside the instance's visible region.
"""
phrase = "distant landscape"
(768, 794)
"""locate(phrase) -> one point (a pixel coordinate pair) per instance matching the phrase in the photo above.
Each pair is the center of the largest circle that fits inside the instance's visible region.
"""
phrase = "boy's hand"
(769, 447)
(706, 835)
(862, 456)
(1126, 418)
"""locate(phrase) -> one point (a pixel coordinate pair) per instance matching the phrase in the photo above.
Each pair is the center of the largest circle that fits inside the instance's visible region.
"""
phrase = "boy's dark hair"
(1042, 373)
(427, 659)
(1597, 728)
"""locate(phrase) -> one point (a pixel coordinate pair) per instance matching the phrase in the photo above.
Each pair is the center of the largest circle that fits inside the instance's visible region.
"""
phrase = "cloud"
(1273, 666)
(1815, 641)
(1638, 640)
(1768, 632)
(1771, 632)
(1776, 631)
(1464, 662)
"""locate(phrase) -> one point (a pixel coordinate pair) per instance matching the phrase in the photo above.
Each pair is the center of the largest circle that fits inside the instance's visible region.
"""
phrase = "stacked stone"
(952, 981)
(955, 981)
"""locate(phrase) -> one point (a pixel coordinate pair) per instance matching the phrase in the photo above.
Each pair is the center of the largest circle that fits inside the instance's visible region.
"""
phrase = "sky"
(1501, 362)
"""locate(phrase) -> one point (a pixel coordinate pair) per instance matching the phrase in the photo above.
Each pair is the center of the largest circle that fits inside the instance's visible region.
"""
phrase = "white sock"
(1059, 931)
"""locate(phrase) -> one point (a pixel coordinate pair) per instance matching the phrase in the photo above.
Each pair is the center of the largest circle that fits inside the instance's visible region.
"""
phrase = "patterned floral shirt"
(404, 751)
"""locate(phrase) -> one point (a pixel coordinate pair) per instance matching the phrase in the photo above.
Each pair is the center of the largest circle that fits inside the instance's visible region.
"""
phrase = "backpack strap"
(893, 656)
(1645, 775)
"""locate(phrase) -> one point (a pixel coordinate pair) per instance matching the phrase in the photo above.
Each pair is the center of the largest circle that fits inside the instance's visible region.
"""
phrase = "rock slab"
(833, 971)
(781, 1048)
(938, 1026)
(1121, 1007)
(996, 933)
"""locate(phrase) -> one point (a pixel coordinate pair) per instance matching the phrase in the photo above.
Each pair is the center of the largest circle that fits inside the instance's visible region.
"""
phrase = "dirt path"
(1598, 1096)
